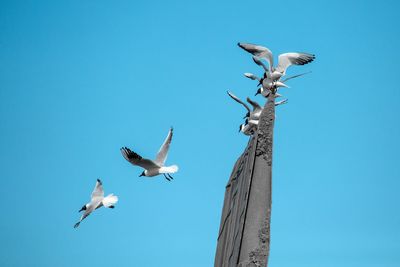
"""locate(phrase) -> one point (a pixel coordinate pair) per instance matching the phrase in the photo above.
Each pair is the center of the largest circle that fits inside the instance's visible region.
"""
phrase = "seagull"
(252, 115)
(97, 200)
(266, 92)
(284, 60)
(153, 167)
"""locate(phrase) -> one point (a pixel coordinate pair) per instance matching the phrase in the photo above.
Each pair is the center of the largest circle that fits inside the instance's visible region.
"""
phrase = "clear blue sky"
(80, 79)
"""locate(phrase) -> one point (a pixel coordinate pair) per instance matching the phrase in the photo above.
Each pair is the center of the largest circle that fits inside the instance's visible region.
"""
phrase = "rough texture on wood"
(244, 233)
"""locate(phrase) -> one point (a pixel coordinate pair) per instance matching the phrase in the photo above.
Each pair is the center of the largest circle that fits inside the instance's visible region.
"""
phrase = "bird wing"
(294, 76)
(252, 76)
(98, 191)
(258, 61)
(288, 59)
(258, 51)
(284, 101)
(255, 105)
(163, 152)
(137, 160)
(238, 100)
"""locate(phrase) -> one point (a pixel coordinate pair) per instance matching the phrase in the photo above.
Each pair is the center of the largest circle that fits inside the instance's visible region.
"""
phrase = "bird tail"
(110, 200)
(169, 169)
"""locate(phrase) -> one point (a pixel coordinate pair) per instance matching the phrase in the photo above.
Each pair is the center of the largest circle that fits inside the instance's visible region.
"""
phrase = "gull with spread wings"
(153, 167)
(284, 60)
(97, 200)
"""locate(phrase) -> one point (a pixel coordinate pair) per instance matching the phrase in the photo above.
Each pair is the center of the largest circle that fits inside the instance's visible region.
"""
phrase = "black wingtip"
(98, 180)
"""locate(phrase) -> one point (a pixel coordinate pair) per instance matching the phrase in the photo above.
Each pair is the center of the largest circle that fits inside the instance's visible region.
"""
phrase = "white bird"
(284, 60)
(97, 200)
(252, 115)
(153, 167)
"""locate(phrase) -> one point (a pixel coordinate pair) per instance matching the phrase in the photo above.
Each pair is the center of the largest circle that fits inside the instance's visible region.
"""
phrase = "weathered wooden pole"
(244, 235)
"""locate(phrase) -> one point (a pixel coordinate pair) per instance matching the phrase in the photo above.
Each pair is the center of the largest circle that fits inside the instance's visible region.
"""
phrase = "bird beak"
(80, 210)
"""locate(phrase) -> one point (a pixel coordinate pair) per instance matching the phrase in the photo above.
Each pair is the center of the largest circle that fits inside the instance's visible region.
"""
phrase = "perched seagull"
(97, 200)
(270, 85)
(284, 60)
(252, 115)
(266, 92)
(156, 167)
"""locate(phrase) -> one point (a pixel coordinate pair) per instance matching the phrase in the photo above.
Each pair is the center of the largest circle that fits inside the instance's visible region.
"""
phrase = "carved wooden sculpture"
(244, 234)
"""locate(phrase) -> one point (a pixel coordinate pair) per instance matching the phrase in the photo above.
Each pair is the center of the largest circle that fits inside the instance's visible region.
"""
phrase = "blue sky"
(80, 79)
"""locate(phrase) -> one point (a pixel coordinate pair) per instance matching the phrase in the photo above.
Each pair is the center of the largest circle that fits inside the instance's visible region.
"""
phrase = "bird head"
(83, 208)
(142, 174)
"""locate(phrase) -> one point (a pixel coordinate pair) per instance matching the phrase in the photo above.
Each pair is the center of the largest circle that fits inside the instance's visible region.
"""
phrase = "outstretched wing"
(258, 61)
(238, 100)
(288, 59)
(98, 191)
(137, 160)
(294, 76)
(163, 152)
(258, 51)
(255, 105)
(284, 101)
(252, 76)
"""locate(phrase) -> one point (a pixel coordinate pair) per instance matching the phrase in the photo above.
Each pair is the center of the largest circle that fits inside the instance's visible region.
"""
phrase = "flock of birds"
(270, 82)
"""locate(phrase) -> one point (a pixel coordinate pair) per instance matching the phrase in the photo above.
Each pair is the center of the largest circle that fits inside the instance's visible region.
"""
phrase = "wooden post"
(244, 234)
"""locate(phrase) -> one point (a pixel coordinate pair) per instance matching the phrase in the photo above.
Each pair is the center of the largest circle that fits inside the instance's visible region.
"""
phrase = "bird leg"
(169, 175)
(166, 177)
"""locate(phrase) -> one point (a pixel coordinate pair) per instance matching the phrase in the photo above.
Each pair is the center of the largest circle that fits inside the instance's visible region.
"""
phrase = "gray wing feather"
(98, 190)
(288, 59)
(163, 152)
(258, 51)
(137, 160)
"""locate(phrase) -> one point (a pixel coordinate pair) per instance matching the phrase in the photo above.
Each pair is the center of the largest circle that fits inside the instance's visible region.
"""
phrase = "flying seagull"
(153, 167)
(284, 60)
(97, 200)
